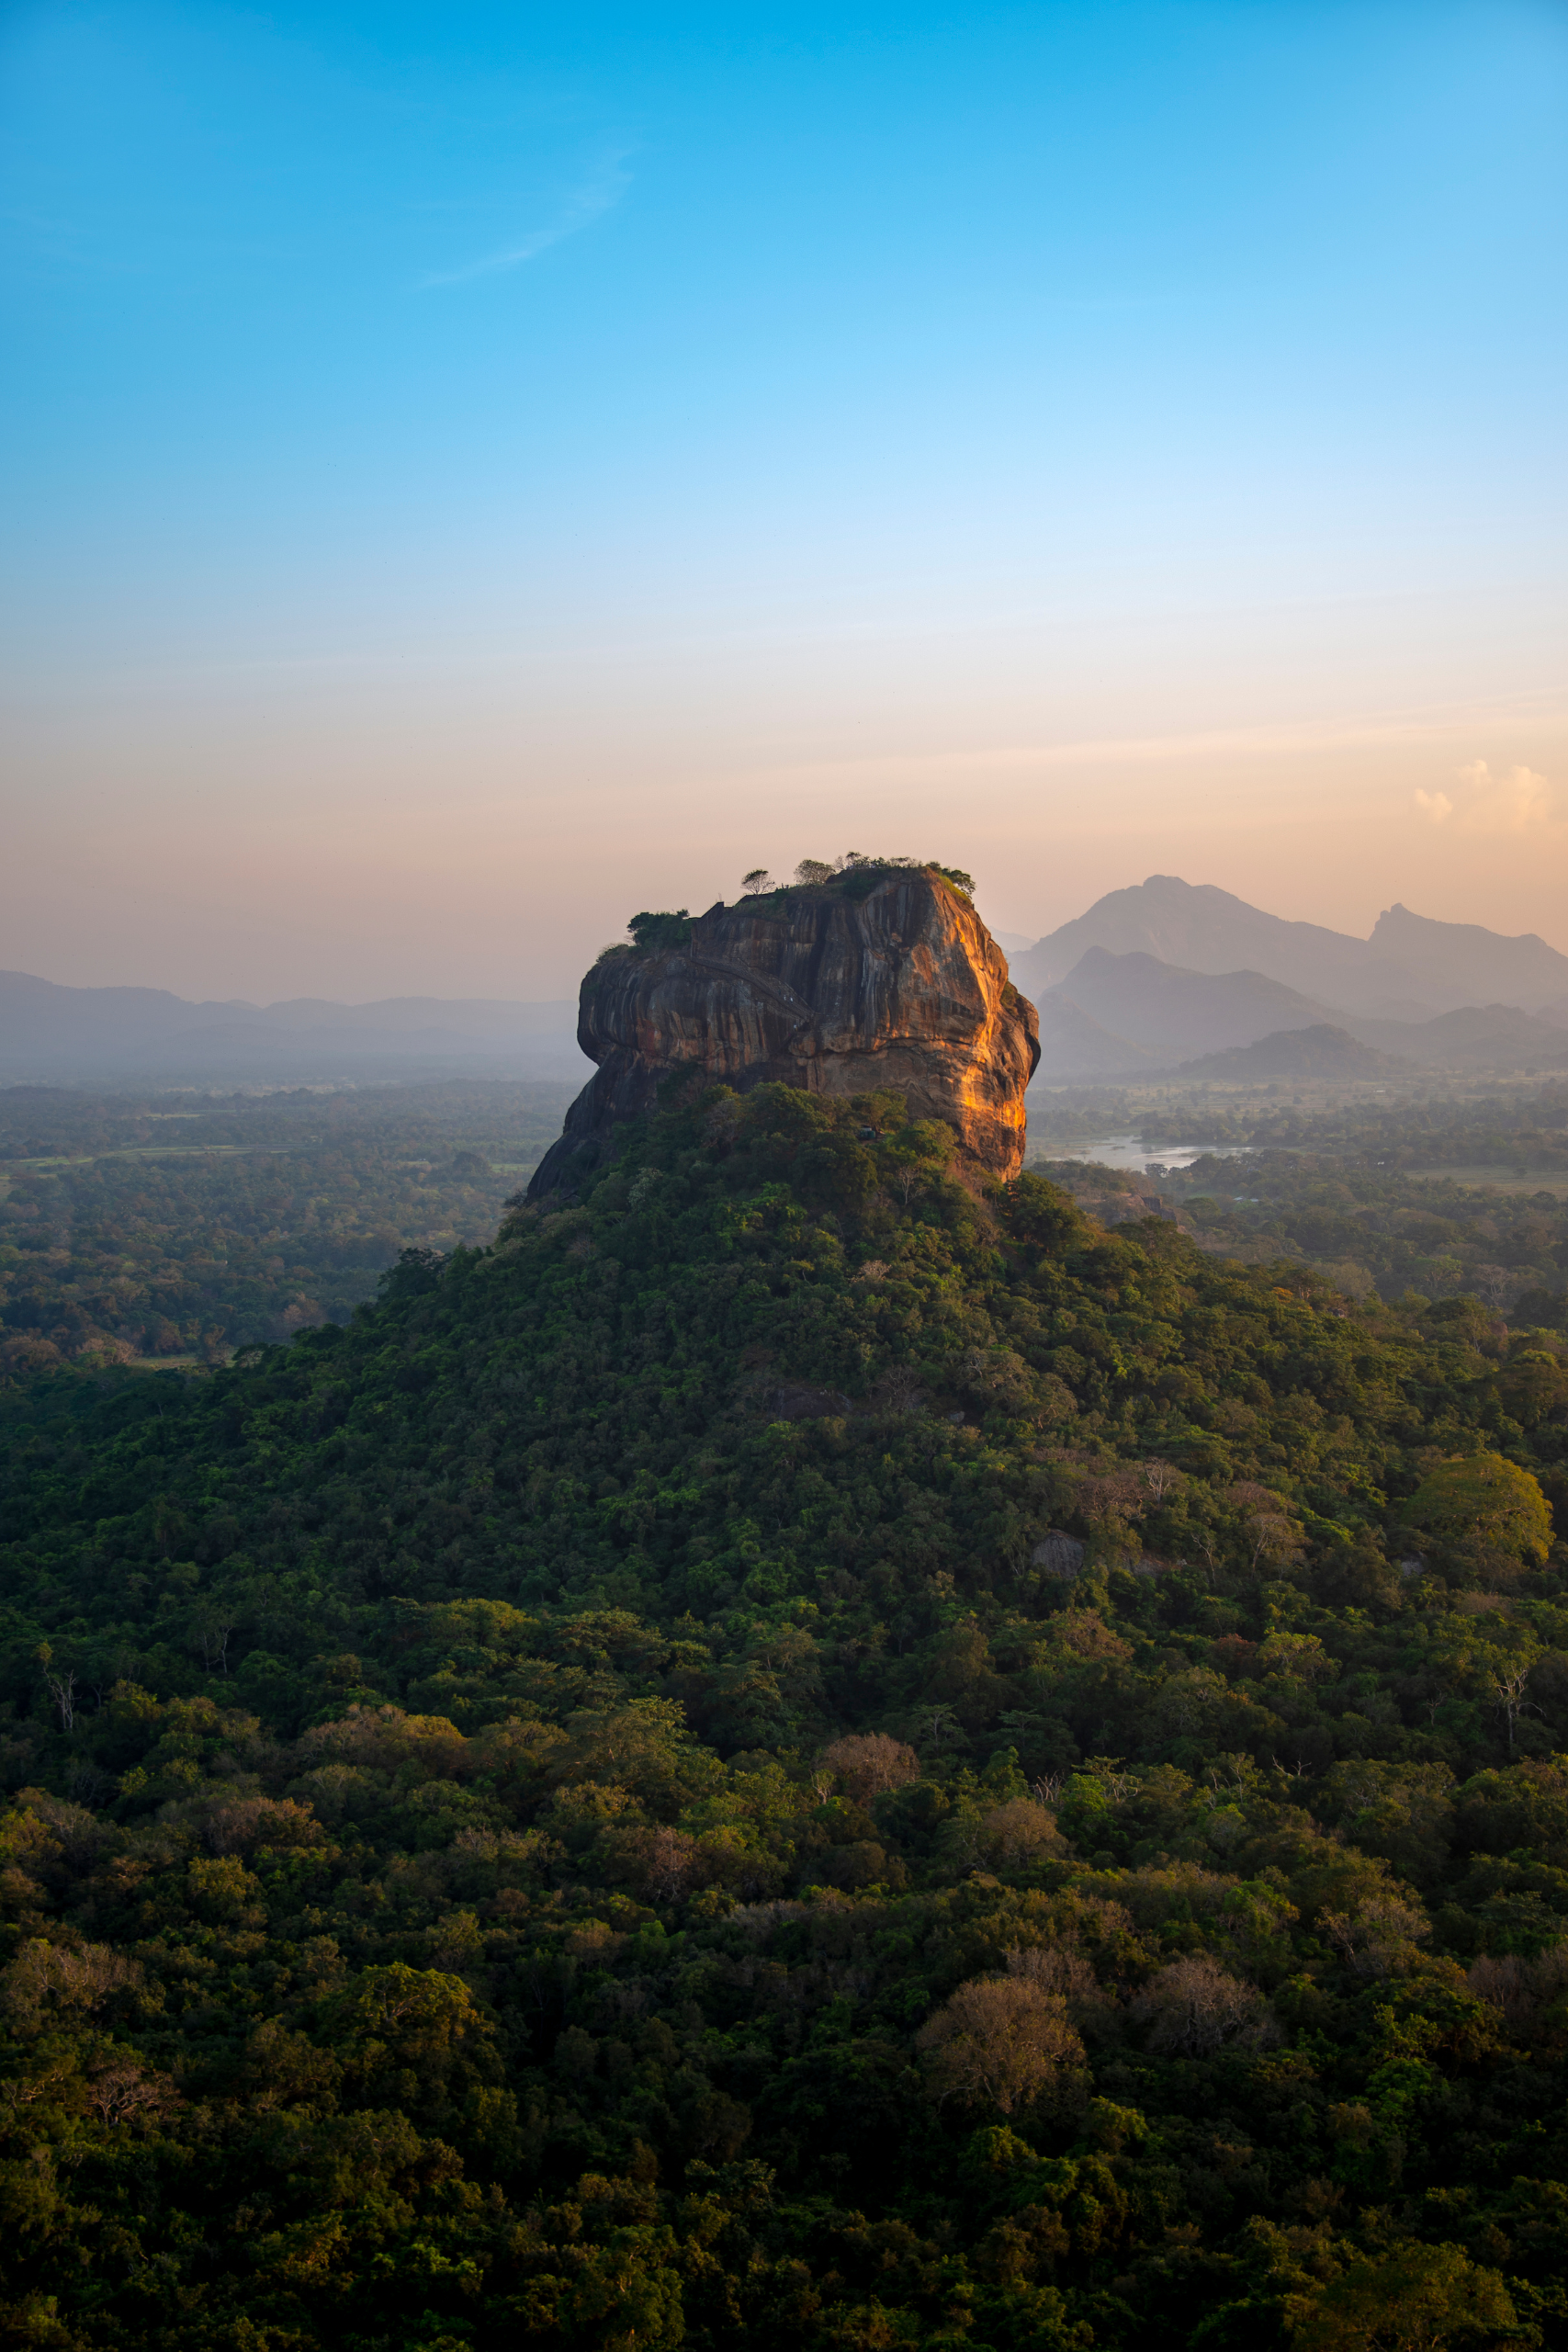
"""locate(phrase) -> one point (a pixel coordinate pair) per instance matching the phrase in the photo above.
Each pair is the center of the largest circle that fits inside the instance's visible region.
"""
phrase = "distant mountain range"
(1129, 1016)
(1172, 976)
(1321, 1051)
(49, 1031)
(1159, 1012)
(1164, 976)
(1408, 969)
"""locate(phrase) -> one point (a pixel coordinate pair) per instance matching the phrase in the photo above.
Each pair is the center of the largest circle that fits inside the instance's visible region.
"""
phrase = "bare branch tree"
(62, 1691)
(212, 1640)
(1508, 1695)
(1273, 1537)
(123, 2091)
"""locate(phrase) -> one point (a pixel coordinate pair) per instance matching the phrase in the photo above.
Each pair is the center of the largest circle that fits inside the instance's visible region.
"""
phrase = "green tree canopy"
(1481, 1504)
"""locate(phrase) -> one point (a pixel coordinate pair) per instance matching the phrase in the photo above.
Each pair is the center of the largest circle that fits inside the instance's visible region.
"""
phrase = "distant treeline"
(1330, 1189)
(1512, 1126)
(186, 1226)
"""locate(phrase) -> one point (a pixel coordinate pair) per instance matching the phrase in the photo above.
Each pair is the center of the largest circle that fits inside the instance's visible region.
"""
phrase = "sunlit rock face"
(838, 990)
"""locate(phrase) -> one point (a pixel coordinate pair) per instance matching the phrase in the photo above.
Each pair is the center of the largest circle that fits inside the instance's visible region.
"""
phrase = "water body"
(1131, 1152)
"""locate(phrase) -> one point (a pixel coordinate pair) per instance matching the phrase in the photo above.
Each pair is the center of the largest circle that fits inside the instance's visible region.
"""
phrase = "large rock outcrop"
(863, 982)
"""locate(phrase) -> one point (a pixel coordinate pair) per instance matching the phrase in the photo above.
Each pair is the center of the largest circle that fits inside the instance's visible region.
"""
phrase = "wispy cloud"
(1393, 732)
(596, 195)
(1519, 802)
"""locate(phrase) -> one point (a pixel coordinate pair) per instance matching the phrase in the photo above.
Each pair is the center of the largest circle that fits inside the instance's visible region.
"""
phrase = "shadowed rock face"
(817, 989)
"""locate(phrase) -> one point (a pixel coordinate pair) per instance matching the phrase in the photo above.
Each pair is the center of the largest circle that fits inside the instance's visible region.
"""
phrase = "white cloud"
(1519, 802)
(598, 194)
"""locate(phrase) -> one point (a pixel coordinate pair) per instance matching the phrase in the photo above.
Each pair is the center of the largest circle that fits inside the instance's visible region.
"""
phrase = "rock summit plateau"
(880, 977)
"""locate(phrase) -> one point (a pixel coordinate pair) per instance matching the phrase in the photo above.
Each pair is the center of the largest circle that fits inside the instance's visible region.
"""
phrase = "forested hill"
(793, 1755)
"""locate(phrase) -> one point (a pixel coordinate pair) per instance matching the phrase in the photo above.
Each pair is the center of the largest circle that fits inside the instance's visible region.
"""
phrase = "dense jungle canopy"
(795, 1753)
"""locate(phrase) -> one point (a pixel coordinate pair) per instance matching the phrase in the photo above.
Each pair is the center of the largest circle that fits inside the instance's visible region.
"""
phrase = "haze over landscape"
(1149, 978)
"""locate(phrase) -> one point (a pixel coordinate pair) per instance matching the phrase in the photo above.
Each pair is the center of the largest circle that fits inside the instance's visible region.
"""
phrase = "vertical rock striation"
(881, 978)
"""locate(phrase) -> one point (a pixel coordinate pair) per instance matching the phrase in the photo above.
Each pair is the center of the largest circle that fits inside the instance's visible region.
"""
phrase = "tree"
(121, 2093)
(1162, 1478)
(999, 2042)
(915, 1155)
(870, 1763)
(1019, 1833)
(662, 1860)
(212, 1630)
(1195, 2007)
(395, 2028)
(1509, 1685)
(62, 1693)
(812, 872)
(1272, 1537)
(1040, 1218)
(661, 929)
(1417, 2299)
(1480, 1506)
(421, 1968)
(757, 880)
(642, 1747)
(1379, 1936)
(48, 1984)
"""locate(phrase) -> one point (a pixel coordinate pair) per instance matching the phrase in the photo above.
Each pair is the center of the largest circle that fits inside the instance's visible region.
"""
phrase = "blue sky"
(473, 469)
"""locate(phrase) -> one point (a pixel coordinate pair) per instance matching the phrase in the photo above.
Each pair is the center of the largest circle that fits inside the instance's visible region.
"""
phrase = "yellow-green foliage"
(1481, 1505)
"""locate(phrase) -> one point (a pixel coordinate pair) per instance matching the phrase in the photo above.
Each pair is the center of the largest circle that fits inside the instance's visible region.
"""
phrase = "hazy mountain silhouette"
(1153, 1013)
(1073, 1044)
(1466, 964)
(47, 1031)
(1474, 1037)
(1320, 1052)
(1410, 968)
(1124, 1016)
